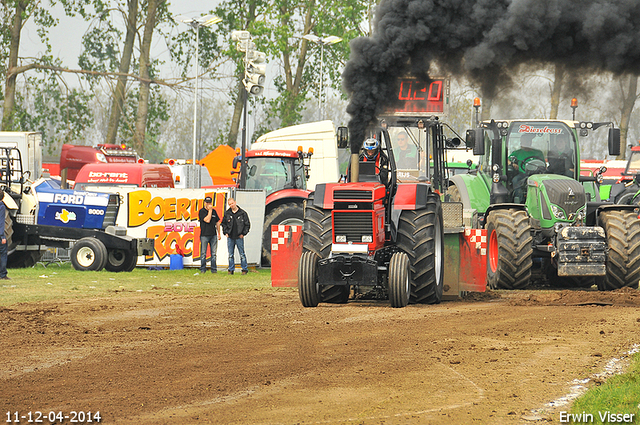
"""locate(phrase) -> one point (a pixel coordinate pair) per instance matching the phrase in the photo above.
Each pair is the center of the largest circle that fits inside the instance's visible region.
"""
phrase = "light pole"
(322, 41)
(253, 81)
(196, 23)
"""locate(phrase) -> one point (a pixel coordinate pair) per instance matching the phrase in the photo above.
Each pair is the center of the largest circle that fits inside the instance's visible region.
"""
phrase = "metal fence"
(55, 256)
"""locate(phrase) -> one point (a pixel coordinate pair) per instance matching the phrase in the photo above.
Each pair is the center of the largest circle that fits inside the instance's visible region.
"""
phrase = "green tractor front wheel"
(509, 249)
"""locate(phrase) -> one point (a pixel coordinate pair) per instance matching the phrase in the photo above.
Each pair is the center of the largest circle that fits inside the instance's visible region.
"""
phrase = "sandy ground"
(259, 357)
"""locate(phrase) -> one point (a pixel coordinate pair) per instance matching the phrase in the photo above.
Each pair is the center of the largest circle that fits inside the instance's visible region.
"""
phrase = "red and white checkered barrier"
(286, 249)
(279, 237)
(477, 238)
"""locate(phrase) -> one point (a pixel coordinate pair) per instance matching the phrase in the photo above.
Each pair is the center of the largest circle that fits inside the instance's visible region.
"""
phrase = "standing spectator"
(235, 226)
(3, 245)
(209, 222)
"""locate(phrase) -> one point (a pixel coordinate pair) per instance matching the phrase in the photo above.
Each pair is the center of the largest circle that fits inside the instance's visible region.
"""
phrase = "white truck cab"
(327, 161)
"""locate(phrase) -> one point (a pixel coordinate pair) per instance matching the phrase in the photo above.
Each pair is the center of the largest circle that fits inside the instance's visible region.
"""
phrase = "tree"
(277, 27)
(125, 63)
(102, 55)
(143, 108)
(300, 66)
(12, 71)
(46, 104)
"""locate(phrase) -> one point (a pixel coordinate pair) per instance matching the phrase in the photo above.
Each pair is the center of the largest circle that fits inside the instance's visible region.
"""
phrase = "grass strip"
(609, 402)
(62, 281)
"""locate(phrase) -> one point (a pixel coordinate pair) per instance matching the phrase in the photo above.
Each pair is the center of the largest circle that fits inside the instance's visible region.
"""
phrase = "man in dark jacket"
(3, 239)
(209, 221)
(235, 226)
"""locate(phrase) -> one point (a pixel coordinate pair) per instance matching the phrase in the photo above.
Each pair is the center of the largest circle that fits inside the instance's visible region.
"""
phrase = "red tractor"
(283, 175)
(374, 236)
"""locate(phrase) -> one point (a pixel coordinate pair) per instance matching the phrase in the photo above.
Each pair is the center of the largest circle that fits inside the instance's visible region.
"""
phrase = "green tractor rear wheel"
(623, 260)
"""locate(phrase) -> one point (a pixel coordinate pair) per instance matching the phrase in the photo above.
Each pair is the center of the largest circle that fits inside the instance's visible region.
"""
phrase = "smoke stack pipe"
(355, 167)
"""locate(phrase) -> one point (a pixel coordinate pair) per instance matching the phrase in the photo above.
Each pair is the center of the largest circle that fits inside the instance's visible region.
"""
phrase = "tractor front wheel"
(308, 280)
(420, 235)
(317, 231)
(88, 254)
(509, 249)
(399, 281)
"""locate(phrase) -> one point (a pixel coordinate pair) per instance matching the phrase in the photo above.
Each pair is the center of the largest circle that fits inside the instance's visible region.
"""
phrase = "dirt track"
(260, 358)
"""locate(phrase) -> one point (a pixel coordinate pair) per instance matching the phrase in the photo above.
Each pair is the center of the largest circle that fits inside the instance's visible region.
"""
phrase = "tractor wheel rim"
(493, 251)
(407, 281)
(85, 256)
(438, 254)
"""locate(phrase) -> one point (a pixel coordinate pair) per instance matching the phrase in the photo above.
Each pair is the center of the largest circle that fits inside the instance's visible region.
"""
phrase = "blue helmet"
(370, 147)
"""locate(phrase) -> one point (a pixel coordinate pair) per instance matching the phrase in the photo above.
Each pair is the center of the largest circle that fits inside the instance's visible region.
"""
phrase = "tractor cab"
(517, 156)
(514, 151)
(276, 170)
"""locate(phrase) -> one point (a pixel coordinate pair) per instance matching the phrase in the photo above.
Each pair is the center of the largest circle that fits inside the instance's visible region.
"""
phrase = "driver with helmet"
(373, 153)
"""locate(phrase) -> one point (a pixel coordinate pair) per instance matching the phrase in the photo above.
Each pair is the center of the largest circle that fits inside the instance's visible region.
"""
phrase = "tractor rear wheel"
(119, 260)
(290, 214)
(308, 280)
(509, 249)
(399, 282)
(132, 262)
(316, 229)
(623, 260)
(420, 236)
(454, 193)
(18, 259)
(317, 238)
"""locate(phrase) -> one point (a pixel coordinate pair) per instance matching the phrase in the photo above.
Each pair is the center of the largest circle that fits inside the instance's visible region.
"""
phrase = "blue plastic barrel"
(176, 262)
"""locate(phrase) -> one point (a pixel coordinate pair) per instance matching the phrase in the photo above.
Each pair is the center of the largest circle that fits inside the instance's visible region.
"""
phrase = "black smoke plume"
(483, 40)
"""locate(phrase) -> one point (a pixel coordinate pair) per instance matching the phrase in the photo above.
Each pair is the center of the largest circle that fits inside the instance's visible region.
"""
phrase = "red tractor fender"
(285, 194)
(411, 196)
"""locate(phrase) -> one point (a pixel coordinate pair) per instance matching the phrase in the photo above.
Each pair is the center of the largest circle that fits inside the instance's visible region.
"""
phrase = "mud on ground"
(259, 357)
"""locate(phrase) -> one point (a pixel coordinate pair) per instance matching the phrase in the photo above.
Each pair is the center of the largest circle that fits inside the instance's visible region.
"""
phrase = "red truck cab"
(114, 174)
(74, 157)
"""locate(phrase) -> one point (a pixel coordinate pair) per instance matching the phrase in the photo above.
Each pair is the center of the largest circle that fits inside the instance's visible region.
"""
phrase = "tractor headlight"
(341, 238)
(557, 212)
(496, 177)
(367, 238)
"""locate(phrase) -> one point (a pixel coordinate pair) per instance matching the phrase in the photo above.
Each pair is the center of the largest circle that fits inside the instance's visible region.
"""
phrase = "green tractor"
(627, 189)
(545, 222)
